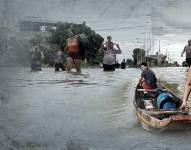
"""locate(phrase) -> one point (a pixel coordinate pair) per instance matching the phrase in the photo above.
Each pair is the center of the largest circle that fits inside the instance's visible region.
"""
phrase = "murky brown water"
(56, 111)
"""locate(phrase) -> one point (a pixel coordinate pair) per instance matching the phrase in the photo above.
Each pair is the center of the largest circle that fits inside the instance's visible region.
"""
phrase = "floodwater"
(94, 111)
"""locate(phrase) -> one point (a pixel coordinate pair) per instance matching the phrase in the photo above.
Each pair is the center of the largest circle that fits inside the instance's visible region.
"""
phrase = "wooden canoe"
(159, 119)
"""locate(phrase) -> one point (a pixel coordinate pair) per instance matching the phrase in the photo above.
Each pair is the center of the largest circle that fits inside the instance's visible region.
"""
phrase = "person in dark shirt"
(148, 79)
(123, 64)
(117, 65)
(187, 49)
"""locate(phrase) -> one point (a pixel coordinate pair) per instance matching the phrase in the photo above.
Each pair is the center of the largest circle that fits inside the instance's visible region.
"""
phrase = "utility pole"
(5, 23)
(166, 58)
(150, 42)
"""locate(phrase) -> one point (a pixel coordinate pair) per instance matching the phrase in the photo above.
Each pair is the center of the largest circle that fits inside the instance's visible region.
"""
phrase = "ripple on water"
(98, 107)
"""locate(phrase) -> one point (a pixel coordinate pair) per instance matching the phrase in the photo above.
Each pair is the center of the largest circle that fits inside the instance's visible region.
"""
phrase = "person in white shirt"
(108, 48)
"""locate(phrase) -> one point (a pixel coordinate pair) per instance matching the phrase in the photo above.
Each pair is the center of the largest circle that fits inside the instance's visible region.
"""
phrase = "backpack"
(84, 45)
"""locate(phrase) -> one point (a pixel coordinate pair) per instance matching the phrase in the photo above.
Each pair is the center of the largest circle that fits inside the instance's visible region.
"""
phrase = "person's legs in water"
(113, 67)
(105, 67)
(76, 59)
(62, 67)
(56, 67)
(69, 61)
(188, 61)
(108, 67)
(77, 63)
(187, 89)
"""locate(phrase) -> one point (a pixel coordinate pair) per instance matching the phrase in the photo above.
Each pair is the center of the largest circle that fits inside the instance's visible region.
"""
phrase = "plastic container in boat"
(165, 101)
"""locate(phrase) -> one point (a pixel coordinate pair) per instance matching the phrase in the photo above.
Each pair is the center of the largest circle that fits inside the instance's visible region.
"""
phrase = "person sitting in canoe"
(148, 79)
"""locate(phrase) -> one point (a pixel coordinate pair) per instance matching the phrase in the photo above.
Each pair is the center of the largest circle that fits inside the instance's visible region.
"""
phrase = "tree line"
(60, 35)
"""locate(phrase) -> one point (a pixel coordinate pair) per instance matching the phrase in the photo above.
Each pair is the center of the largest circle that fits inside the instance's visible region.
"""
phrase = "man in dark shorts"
(187, 49)
(148, 79)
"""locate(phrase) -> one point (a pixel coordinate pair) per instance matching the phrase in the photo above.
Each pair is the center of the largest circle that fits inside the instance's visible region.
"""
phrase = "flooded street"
(94, 111)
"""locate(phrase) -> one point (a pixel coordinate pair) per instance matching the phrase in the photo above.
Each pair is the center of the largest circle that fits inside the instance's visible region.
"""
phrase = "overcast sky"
(129, 22)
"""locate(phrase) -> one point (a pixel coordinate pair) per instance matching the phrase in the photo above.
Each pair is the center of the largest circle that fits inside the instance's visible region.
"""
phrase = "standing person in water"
(109, 54)
(73, 48)
(36, 57)
(187, 89)
(117, 65)
(58, 58)
(187, 49)
(148, 79)
(187, 85)
(123, 64)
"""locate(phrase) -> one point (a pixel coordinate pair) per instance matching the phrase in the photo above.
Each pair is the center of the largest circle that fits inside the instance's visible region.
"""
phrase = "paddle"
(151, 90)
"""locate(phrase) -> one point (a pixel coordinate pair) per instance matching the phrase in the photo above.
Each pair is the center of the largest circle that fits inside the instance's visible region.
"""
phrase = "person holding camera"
(109, 51)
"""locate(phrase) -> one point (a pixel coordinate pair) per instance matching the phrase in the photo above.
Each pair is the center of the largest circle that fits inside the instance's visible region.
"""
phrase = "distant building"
(138, 56)
(36, 25)
(157, 60)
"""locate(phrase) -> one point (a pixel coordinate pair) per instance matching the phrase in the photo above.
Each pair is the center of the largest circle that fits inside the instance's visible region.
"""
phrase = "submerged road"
(94, 111)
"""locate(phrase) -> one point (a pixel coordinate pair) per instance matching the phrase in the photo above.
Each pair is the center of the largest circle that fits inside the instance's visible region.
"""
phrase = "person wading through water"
(58, 58)
(187, 85)
(73, 52)
(187, 49)
(123, 64)
(36, 58)
(109, 54)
